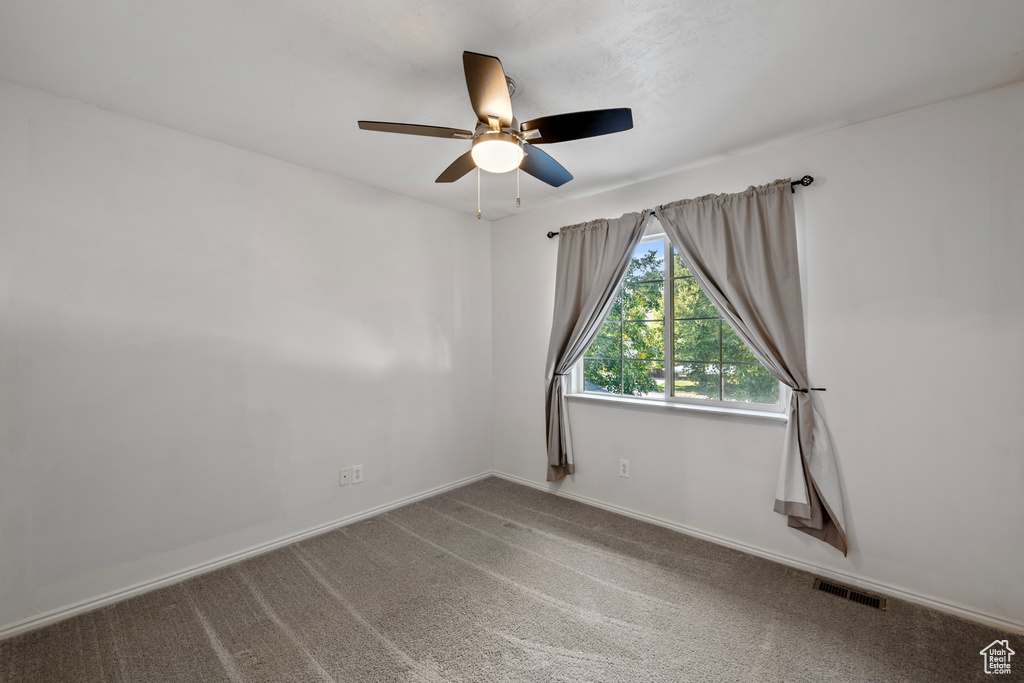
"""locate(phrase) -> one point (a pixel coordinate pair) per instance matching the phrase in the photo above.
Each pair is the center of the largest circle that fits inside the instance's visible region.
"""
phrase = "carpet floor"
(499, 582)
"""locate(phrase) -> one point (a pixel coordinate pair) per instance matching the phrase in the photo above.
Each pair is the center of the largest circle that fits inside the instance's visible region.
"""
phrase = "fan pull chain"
(517, 187)
(478, 193)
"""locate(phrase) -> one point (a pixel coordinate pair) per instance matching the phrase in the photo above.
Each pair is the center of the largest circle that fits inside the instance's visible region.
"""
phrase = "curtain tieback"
(804, 391)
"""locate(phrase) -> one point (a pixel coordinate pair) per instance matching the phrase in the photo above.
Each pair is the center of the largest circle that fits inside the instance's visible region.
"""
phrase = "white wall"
(194, 338)
(912, 241)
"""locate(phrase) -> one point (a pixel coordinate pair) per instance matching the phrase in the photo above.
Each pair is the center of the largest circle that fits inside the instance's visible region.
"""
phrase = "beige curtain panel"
(741, 249)
(592, 261)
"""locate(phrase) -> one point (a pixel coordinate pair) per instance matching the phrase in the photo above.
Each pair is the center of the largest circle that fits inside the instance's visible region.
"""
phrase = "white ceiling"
(705, 78)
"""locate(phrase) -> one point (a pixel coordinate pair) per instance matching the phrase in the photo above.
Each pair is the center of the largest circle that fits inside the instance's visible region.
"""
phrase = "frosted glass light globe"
(497, 154)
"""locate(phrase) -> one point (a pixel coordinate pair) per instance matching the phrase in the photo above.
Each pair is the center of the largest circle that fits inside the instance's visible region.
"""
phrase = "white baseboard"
(62, 613)
(850, 579)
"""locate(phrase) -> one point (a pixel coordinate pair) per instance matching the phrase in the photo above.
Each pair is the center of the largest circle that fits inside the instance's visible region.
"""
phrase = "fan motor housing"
(495, 135)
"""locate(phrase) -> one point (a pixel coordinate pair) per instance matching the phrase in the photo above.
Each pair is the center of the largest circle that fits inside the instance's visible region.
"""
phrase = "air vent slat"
(849, 594)
(869, 600)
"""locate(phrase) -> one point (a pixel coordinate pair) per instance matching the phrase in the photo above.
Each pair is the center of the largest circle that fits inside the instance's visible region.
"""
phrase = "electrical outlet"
(357, 474)
(624, 468)
(344, 476)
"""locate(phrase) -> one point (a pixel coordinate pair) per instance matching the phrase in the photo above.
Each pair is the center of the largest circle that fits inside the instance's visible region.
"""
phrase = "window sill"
(673, 406)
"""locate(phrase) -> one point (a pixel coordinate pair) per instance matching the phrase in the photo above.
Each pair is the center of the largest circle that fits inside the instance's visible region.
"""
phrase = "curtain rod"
(805, 181)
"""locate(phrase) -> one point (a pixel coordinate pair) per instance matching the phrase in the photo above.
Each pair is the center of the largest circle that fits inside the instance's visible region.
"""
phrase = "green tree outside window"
(709, 360)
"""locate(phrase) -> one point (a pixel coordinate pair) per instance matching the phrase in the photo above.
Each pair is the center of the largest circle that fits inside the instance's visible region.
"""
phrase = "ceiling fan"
(500, 142)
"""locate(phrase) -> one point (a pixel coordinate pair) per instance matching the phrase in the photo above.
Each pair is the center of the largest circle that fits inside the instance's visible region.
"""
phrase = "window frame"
(656, 233)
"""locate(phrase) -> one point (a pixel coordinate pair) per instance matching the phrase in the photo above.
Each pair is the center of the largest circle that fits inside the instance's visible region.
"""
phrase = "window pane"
(616, 312)
(733, 348)
(690, 301)
(648, 262)
(696, 340)
(643, 340)
(602, 375)
(749, 383)
(643, 301)
(607, 343)
(643, 378)
(679, 269)
(697, 380)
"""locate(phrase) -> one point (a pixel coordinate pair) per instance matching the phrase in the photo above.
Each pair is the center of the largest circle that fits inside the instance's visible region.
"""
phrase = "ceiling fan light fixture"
(500, 143)
(497, 152)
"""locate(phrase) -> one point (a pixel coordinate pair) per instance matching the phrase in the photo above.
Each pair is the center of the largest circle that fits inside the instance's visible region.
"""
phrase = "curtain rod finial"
(805, 181)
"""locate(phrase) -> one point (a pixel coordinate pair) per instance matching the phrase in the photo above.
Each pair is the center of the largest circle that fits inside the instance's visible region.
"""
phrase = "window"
(628, 355)
(696, 358)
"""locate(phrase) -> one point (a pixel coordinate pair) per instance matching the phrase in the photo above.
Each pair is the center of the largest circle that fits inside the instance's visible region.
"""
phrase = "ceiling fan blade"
(459, 168)
(488, 91)
(415, 129)
(577, 125)
(541, 166)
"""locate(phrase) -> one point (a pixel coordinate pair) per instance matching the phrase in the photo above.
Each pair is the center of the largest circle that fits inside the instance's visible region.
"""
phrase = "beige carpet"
(499, 582)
